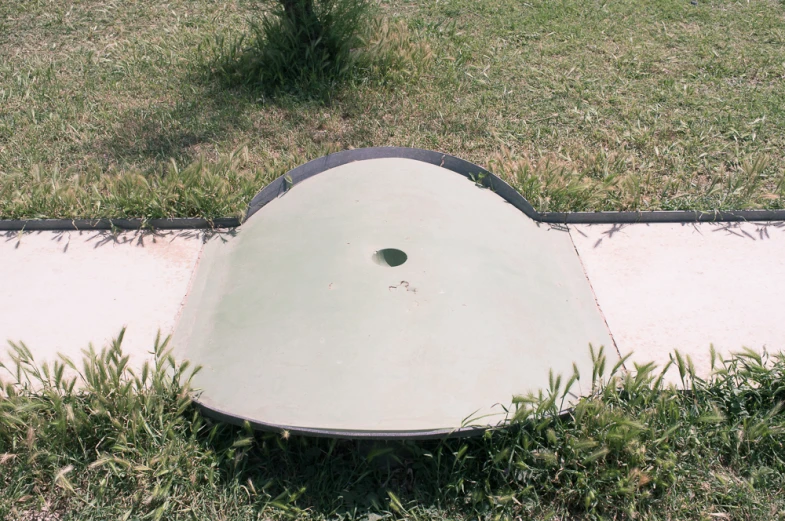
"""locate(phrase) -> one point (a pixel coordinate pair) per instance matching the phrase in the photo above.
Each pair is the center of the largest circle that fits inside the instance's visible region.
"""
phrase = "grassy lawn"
(132, 447)
(109, 109)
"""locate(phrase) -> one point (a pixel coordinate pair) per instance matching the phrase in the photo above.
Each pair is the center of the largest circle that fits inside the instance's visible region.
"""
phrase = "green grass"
(580, 105)
(127, 445)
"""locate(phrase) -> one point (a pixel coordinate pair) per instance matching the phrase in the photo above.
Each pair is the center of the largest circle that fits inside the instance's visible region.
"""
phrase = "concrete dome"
(385, 297)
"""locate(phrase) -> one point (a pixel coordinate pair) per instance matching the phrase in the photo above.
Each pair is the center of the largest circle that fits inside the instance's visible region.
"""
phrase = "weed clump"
(302, 46)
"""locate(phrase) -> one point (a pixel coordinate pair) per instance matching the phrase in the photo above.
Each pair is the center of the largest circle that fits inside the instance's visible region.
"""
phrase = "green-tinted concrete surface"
(301, 320)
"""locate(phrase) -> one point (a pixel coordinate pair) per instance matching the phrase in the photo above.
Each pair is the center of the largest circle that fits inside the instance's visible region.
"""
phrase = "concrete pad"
(61, 291)
(686, 286)
(300, 322)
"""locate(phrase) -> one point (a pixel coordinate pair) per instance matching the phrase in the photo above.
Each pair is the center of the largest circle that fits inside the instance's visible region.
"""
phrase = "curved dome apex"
(385, 297)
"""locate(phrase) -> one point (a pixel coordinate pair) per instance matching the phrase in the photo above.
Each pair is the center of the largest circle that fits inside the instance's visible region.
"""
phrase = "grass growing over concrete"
(580, 105)
(131, 446)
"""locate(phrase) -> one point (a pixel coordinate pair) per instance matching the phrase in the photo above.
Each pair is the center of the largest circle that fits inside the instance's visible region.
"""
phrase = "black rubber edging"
(507, 192)
(116, 224)
(469, 170)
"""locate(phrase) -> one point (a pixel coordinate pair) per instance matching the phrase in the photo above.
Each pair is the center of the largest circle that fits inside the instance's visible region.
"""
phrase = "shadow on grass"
(203, 114)
(207, 113)
(353, 478)
(267, 86)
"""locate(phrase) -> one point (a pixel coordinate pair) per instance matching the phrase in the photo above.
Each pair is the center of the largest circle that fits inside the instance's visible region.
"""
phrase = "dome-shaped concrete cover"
(303, 321)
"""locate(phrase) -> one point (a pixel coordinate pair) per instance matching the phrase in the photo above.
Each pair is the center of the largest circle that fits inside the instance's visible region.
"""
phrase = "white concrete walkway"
(61, 291)
(660, 287)
(686, 286)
